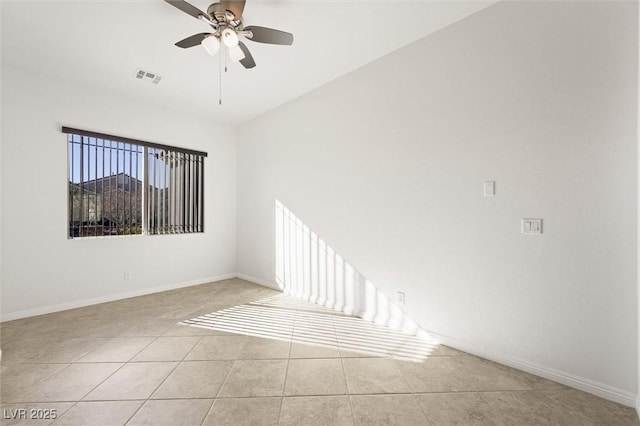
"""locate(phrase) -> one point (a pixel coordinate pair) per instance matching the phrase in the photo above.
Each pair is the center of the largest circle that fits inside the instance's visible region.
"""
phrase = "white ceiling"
(102, 43)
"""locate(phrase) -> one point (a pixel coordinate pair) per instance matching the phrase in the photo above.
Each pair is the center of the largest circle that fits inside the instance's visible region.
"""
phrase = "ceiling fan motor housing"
(218, 12)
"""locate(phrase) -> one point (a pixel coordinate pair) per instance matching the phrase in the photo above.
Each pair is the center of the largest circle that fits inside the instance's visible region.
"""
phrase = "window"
(121, 186)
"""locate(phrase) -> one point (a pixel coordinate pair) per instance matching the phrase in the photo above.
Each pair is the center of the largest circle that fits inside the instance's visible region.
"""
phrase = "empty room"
(301, 212)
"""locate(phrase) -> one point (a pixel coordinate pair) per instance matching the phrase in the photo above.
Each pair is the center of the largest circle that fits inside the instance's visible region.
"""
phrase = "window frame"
(190, 190)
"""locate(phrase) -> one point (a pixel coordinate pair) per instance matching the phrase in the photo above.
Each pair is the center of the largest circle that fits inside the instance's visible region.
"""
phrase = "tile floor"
(233, 353)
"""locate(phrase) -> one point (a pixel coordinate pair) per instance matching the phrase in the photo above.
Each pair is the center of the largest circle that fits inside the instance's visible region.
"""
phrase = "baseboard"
(94, 301)
(638, 406)
(590, 386)
(259, 281)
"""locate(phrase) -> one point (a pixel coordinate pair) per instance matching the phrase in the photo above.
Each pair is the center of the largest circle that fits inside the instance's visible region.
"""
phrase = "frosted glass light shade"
(211, 44)
(236, 54)
(229, 37)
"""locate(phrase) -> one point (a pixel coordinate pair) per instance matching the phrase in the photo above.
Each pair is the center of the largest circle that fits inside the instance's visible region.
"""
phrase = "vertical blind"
(122, 186)
(176, 192)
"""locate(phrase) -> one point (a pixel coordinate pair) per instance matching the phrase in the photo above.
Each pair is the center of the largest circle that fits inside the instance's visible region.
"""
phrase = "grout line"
(543, 391)
(217, 396)
(106, 378)
(178, 363)
(224, 382)
(359, 356)
(286, 374)
(395, 363)
(346, 382)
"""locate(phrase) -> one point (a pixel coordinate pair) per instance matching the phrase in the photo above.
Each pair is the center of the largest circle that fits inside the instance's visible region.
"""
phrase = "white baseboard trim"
(587, 385)
(259, 281)
(103, 299)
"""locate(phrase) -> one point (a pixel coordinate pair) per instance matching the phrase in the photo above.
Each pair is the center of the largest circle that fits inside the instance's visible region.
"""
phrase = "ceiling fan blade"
(186, 8)
(270, 36)
(248, 61)
(194, 40)
(234, 6)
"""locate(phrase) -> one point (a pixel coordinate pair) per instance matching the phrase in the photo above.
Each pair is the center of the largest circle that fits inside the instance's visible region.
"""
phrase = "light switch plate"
(489, 188)
(532, 226)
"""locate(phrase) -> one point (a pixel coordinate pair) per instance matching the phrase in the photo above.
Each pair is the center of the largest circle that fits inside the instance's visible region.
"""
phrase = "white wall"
(386, 165)
(41, 267)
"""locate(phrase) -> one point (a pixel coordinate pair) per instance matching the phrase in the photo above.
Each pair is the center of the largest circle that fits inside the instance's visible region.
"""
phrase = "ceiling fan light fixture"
(236, 54)
(211, 44)
(230, 37)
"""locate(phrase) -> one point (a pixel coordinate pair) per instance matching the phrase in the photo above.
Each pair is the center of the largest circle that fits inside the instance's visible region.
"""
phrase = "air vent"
(148, 76)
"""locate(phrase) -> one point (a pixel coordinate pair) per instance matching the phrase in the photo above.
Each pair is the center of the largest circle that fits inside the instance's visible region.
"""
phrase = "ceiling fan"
(225, 17)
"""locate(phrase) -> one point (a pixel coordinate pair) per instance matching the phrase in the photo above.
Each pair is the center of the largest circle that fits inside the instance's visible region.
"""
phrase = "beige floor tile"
(180, 329)
(320, 330)
(460, 408)
(255, 378)
(315, 377)
(52, 350)
(313, 350)
(147, 328)
(133, 381)
(112, 413)
(264, 348)
(363, 345)
(373, 375)
(243, 323)
(224, 332)
(244, 411)
(119, 349)
(527, 407)
(442, 350)
(387, 410)
(71, 383)
(239, 347)
(195, 379)
(355, 332)
(172, 412)
(100, 327)
(412, 348)
(435, 374)
(168, 349)
(217, 348)
(18, 379)
(573, 406)
(32, 414)
(475, 374)
(317, 338)
(316, 410)
(179, 310)
(274, 317)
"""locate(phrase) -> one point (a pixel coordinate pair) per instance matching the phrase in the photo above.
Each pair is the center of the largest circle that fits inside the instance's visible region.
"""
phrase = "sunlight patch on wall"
(308, 268)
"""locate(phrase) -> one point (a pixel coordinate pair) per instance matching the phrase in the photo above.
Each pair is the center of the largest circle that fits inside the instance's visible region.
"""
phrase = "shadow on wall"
(309, 269)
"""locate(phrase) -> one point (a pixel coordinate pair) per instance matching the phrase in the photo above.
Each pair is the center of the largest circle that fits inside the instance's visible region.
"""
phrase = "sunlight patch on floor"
(287, 318)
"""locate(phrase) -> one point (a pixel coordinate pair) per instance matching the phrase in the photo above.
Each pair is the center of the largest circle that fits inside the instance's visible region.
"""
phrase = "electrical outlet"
(127, 275)
(401, 297)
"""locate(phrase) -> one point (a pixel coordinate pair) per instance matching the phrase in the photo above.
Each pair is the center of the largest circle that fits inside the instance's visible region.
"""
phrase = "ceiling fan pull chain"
(220, 80)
